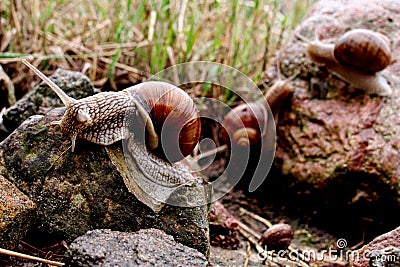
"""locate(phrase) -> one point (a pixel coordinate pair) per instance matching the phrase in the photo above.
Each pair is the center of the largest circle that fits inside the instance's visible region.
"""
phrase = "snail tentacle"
(67, 100)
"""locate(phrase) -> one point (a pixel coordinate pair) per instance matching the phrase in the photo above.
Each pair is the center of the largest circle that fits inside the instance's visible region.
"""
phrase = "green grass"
(132, 39)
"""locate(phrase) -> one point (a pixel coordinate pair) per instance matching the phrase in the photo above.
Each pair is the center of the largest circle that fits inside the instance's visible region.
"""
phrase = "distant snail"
(364, 49)
(245, 124)
(164, 109)
(277, 237)
(357, 57)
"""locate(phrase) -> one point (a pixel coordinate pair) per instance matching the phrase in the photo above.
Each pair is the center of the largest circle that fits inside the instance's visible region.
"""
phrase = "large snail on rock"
(162, 108)
(159, 125)
(357, 57)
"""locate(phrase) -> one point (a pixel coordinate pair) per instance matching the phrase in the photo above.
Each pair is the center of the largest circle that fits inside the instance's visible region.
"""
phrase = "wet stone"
(383, 251)
(337, 146)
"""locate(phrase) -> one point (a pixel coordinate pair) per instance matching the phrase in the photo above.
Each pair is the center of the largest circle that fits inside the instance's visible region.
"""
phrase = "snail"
(277, 237)
(246, 124)
(357, 57)
(168, 114)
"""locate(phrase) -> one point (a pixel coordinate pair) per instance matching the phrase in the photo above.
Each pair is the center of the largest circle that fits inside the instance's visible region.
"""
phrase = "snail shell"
(244, 124)
(246, 137)
(364, 49)
(174, 116)
(277, 237)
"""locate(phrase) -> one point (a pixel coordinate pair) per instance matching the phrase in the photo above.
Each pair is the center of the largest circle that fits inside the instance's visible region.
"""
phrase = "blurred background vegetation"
(120, 43)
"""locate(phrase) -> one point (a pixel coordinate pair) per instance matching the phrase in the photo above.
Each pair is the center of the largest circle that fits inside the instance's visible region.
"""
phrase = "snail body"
(277, 95)
(157, 107)
(357, 57)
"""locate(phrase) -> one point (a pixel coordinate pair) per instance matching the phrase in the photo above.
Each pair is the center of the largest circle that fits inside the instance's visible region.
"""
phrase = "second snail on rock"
(357, 57)
(246, 124)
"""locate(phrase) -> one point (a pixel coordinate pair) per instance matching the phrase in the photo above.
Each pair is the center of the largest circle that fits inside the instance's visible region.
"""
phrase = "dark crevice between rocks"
(347, 207)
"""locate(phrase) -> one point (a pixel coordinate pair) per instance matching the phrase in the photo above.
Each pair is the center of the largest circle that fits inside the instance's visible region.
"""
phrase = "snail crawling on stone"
(159, 125)
(168, 114)
(357, 57)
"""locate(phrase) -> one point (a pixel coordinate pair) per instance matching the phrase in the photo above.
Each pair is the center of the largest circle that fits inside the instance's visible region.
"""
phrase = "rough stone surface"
(149, 247)
(16, 214)
(223, 257)
(41, 98)
(333, 138)
(80, 191)
(383, 251)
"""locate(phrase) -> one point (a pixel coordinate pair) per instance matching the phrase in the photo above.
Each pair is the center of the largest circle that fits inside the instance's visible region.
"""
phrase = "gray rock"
(149, 247)
(42, 99)
(17, 214)
(220, 257)
(80, 191)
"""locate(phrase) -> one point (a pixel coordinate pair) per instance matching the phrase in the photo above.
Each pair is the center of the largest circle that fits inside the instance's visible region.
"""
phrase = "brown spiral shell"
(175, 118)
(364, 49)
(277, 237)
(244, 124)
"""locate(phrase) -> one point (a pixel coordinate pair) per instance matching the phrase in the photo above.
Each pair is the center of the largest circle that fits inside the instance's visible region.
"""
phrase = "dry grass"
(119, 43)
